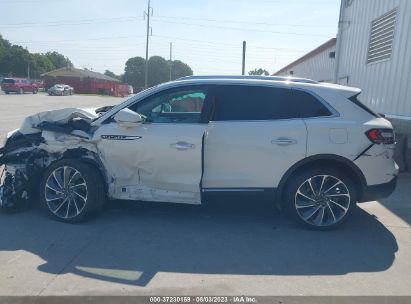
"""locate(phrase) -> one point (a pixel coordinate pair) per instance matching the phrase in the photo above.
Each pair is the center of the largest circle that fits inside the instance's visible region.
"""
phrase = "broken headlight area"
(21, 176)
(23, 162)
(13, 192)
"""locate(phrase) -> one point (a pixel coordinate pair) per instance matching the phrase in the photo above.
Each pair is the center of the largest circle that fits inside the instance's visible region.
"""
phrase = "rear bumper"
(376, 192)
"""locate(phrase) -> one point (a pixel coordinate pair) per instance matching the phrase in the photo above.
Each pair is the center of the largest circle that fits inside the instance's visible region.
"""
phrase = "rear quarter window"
(305, 105)
(357, 102)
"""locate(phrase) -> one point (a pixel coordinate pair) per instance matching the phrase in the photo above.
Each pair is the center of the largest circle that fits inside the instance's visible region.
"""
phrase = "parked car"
(40, 84)
(18, 85)
(60, 90)
(314, 148)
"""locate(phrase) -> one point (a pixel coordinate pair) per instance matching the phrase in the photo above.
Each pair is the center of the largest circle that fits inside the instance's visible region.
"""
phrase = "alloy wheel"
(66, 192)
(322, 200)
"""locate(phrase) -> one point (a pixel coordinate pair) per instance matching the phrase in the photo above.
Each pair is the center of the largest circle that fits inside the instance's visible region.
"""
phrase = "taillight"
(381, 136)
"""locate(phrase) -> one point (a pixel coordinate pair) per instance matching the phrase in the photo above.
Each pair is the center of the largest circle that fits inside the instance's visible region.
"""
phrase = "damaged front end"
(42, 139)
(22, 161)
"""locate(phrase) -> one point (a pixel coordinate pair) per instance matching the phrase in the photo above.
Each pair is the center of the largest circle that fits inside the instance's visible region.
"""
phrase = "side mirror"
(127, 118)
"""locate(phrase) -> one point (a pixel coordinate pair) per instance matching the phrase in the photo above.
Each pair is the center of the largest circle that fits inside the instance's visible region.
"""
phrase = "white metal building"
(373, 52)
(319, 64)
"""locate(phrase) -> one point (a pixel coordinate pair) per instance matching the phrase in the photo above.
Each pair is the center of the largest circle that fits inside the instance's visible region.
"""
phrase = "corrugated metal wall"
(320, 67)
(386, 85)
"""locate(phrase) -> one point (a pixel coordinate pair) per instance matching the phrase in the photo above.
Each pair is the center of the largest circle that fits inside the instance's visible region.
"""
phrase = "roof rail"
(272, 78)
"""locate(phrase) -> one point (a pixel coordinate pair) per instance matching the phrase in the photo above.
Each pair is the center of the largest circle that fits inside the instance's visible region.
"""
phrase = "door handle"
(284, 141)
(182, 145)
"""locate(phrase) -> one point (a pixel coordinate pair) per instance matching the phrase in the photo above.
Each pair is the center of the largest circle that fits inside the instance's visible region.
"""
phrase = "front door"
(160, 160)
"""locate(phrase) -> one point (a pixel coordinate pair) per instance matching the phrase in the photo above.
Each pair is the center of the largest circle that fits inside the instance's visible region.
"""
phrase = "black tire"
(76, 208)
(335, 205)
(35, 91)
(7, 92)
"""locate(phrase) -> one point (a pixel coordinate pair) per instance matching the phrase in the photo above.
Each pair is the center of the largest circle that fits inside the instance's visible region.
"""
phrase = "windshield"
(8, 80)
(127, 102)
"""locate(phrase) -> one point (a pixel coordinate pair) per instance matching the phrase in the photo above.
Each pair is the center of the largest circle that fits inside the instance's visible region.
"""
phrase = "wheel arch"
(328, 160)
(89, 158)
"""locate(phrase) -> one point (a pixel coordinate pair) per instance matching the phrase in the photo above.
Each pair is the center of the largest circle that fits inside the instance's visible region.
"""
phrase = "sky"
(206, 34)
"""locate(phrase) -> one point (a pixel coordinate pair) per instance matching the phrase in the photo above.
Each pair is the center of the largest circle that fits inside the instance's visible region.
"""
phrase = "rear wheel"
(35, 91)
(7, 92)
(72, 191)
(320, 199)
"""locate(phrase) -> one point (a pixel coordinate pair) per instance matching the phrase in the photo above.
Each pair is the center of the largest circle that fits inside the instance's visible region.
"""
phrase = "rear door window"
(237, 102)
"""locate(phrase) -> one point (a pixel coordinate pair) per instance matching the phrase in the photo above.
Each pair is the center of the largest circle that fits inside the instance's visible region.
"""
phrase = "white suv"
(311, 147)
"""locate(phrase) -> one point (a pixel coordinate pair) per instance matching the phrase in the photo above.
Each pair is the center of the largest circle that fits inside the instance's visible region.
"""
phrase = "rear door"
(253, 138)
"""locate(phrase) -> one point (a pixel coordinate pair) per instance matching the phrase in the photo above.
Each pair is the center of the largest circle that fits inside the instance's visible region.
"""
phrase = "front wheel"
(321, 199)
(72, 191)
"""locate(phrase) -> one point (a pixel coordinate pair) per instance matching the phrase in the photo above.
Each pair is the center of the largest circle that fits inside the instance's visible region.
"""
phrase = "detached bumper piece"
(376, 192)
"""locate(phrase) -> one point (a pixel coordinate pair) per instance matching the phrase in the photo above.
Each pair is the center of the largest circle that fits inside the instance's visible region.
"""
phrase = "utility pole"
(148, 14)
(244, 47)
(28, 70)
(171, 59)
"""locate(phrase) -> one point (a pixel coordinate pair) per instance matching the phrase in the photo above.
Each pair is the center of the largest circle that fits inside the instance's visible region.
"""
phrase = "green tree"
(112, 74)
(134, 72)
(39, 64)
(58, 60)
(259, 72)
(158, 71)
(15, 59)
(180, 69)
(4, 47)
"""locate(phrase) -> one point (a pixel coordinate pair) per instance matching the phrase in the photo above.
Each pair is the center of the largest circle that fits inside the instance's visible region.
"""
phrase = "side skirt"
(237, 194)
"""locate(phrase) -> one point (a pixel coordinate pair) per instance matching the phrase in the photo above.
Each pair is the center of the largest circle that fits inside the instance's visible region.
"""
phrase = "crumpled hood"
(61, 116)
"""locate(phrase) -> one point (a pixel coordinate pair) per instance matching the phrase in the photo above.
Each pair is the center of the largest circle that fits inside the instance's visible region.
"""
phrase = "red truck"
(18, 85)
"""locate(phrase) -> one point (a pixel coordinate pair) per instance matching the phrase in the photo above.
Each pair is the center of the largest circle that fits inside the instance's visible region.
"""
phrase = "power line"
(235, 45)
(241, 22)
(67, 22)
(72, 40)
(242, 29)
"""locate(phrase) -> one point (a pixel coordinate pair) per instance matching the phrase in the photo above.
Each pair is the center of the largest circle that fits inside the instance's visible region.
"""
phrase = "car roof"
(277, 81)
(255, 77)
